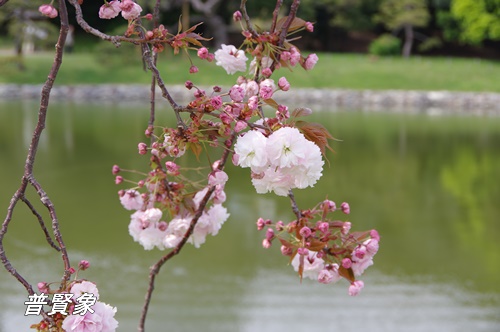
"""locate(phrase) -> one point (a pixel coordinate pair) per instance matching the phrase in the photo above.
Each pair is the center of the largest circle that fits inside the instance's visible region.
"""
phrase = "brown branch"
(275, 15)
(295, 207)
(244, 13)
(155, 269)
(41, 222)
(291, 16)
(30, 162)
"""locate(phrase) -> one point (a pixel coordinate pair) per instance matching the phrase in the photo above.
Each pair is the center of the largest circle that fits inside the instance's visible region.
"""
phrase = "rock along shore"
(400, 101)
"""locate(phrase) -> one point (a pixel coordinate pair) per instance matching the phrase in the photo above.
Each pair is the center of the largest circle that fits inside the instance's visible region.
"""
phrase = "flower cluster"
(324, 249)
(280, 162)
(129, 9)
(76, 307)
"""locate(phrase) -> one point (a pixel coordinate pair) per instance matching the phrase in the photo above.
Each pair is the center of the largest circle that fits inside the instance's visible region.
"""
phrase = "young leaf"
(347, 273)
(316, 133)
(301, 111)
(271, 102)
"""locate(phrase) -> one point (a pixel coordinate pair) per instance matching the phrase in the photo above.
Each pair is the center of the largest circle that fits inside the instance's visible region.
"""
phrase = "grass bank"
(343, 71)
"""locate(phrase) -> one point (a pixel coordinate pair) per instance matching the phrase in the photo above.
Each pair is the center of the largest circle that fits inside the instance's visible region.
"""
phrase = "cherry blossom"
(312, 265)
(231, 59)
(110, 9)
(101, 320)
(130, 9)
(132, 200)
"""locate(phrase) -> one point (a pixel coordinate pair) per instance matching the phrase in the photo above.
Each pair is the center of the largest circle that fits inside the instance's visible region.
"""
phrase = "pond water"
(429, 185)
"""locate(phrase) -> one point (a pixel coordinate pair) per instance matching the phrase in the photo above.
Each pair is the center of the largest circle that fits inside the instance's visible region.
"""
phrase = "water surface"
(428, 184)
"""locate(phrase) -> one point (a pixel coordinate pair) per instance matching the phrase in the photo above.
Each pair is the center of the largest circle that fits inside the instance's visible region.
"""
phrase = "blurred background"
(426, 180)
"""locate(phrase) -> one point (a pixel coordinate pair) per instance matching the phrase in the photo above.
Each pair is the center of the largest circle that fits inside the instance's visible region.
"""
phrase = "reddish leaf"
(347, 273)
(196, 148)
(286, 243)
(302, 111)
(316, 245)
(316, 133)
(271, 102)
(297, 23)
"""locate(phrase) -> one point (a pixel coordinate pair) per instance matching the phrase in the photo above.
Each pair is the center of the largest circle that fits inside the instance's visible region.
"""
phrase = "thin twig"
(295, 207)
(275, 15)
(244, 13)
(41, 222)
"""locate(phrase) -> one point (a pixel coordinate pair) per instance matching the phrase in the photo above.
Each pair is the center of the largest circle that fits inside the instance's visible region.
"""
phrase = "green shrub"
(386, 44)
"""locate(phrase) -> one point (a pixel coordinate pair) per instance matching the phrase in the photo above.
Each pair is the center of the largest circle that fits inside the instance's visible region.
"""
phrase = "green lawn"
(345, 71)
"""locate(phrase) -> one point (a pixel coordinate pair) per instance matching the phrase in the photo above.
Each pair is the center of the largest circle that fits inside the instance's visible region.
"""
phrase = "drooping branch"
(244, 13)
(28, 177)
(41, 222)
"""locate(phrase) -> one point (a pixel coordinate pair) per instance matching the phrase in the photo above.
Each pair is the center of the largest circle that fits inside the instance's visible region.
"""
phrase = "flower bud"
(345, 208)
(203, 53)
(270, 234)
(118, 179)
(303, 251)
(143, 148)
(356, 287)
(188, 85)
(43, 287)
(237, 16)
(260, 224)
(266, 243)
(285, 251)
(115, 170)
(305, 232)
(193, 69)
(346, 263)
(83, 265)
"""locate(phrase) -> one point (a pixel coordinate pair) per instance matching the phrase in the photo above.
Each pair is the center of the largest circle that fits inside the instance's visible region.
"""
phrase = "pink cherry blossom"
(251, 88)
(231, 59)
(85, 287)
(356, 287)
(283, 84)
(130, 10)
(110, 9)
(240, 125)
(48, 10)
(237, 93)
(101, 320)
(266, 88)
(237, 16)
(310, 61)
(312, 265)
(217, 177)
(132, 200)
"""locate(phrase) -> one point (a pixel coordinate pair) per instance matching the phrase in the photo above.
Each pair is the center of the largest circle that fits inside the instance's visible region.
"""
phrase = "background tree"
(477, 19)
(404, 14)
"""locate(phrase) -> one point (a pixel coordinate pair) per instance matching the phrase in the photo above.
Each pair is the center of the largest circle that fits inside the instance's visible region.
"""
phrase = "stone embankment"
(431, 102)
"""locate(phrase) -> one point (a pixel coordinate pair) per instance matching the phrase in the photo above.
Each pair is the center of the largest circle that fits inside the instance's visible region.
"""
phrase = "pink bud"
(305, 232)
(217, 88)
(72, 270)
(346, 228)
(285, 251)
(283, 84)
(329, 206)
(346, 263)
(345, 208)
(210, 57)
(309, 26)
(260, 224)
(143, 148)
(140, 183)
(83, 265)
(237, 16)
(118, 179)
(43, 287)
(48, 10)
(193, 69)
(280, 226)
(149, 16)
(266, 243)
(270, 234)
(162, 226)
(240, 125)
(203, 53)
(188, 85)
(310, 61)
(172, 168)
(374, 235)
(237, 93)
(267, 72)
(323, 227)
(115, 170)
